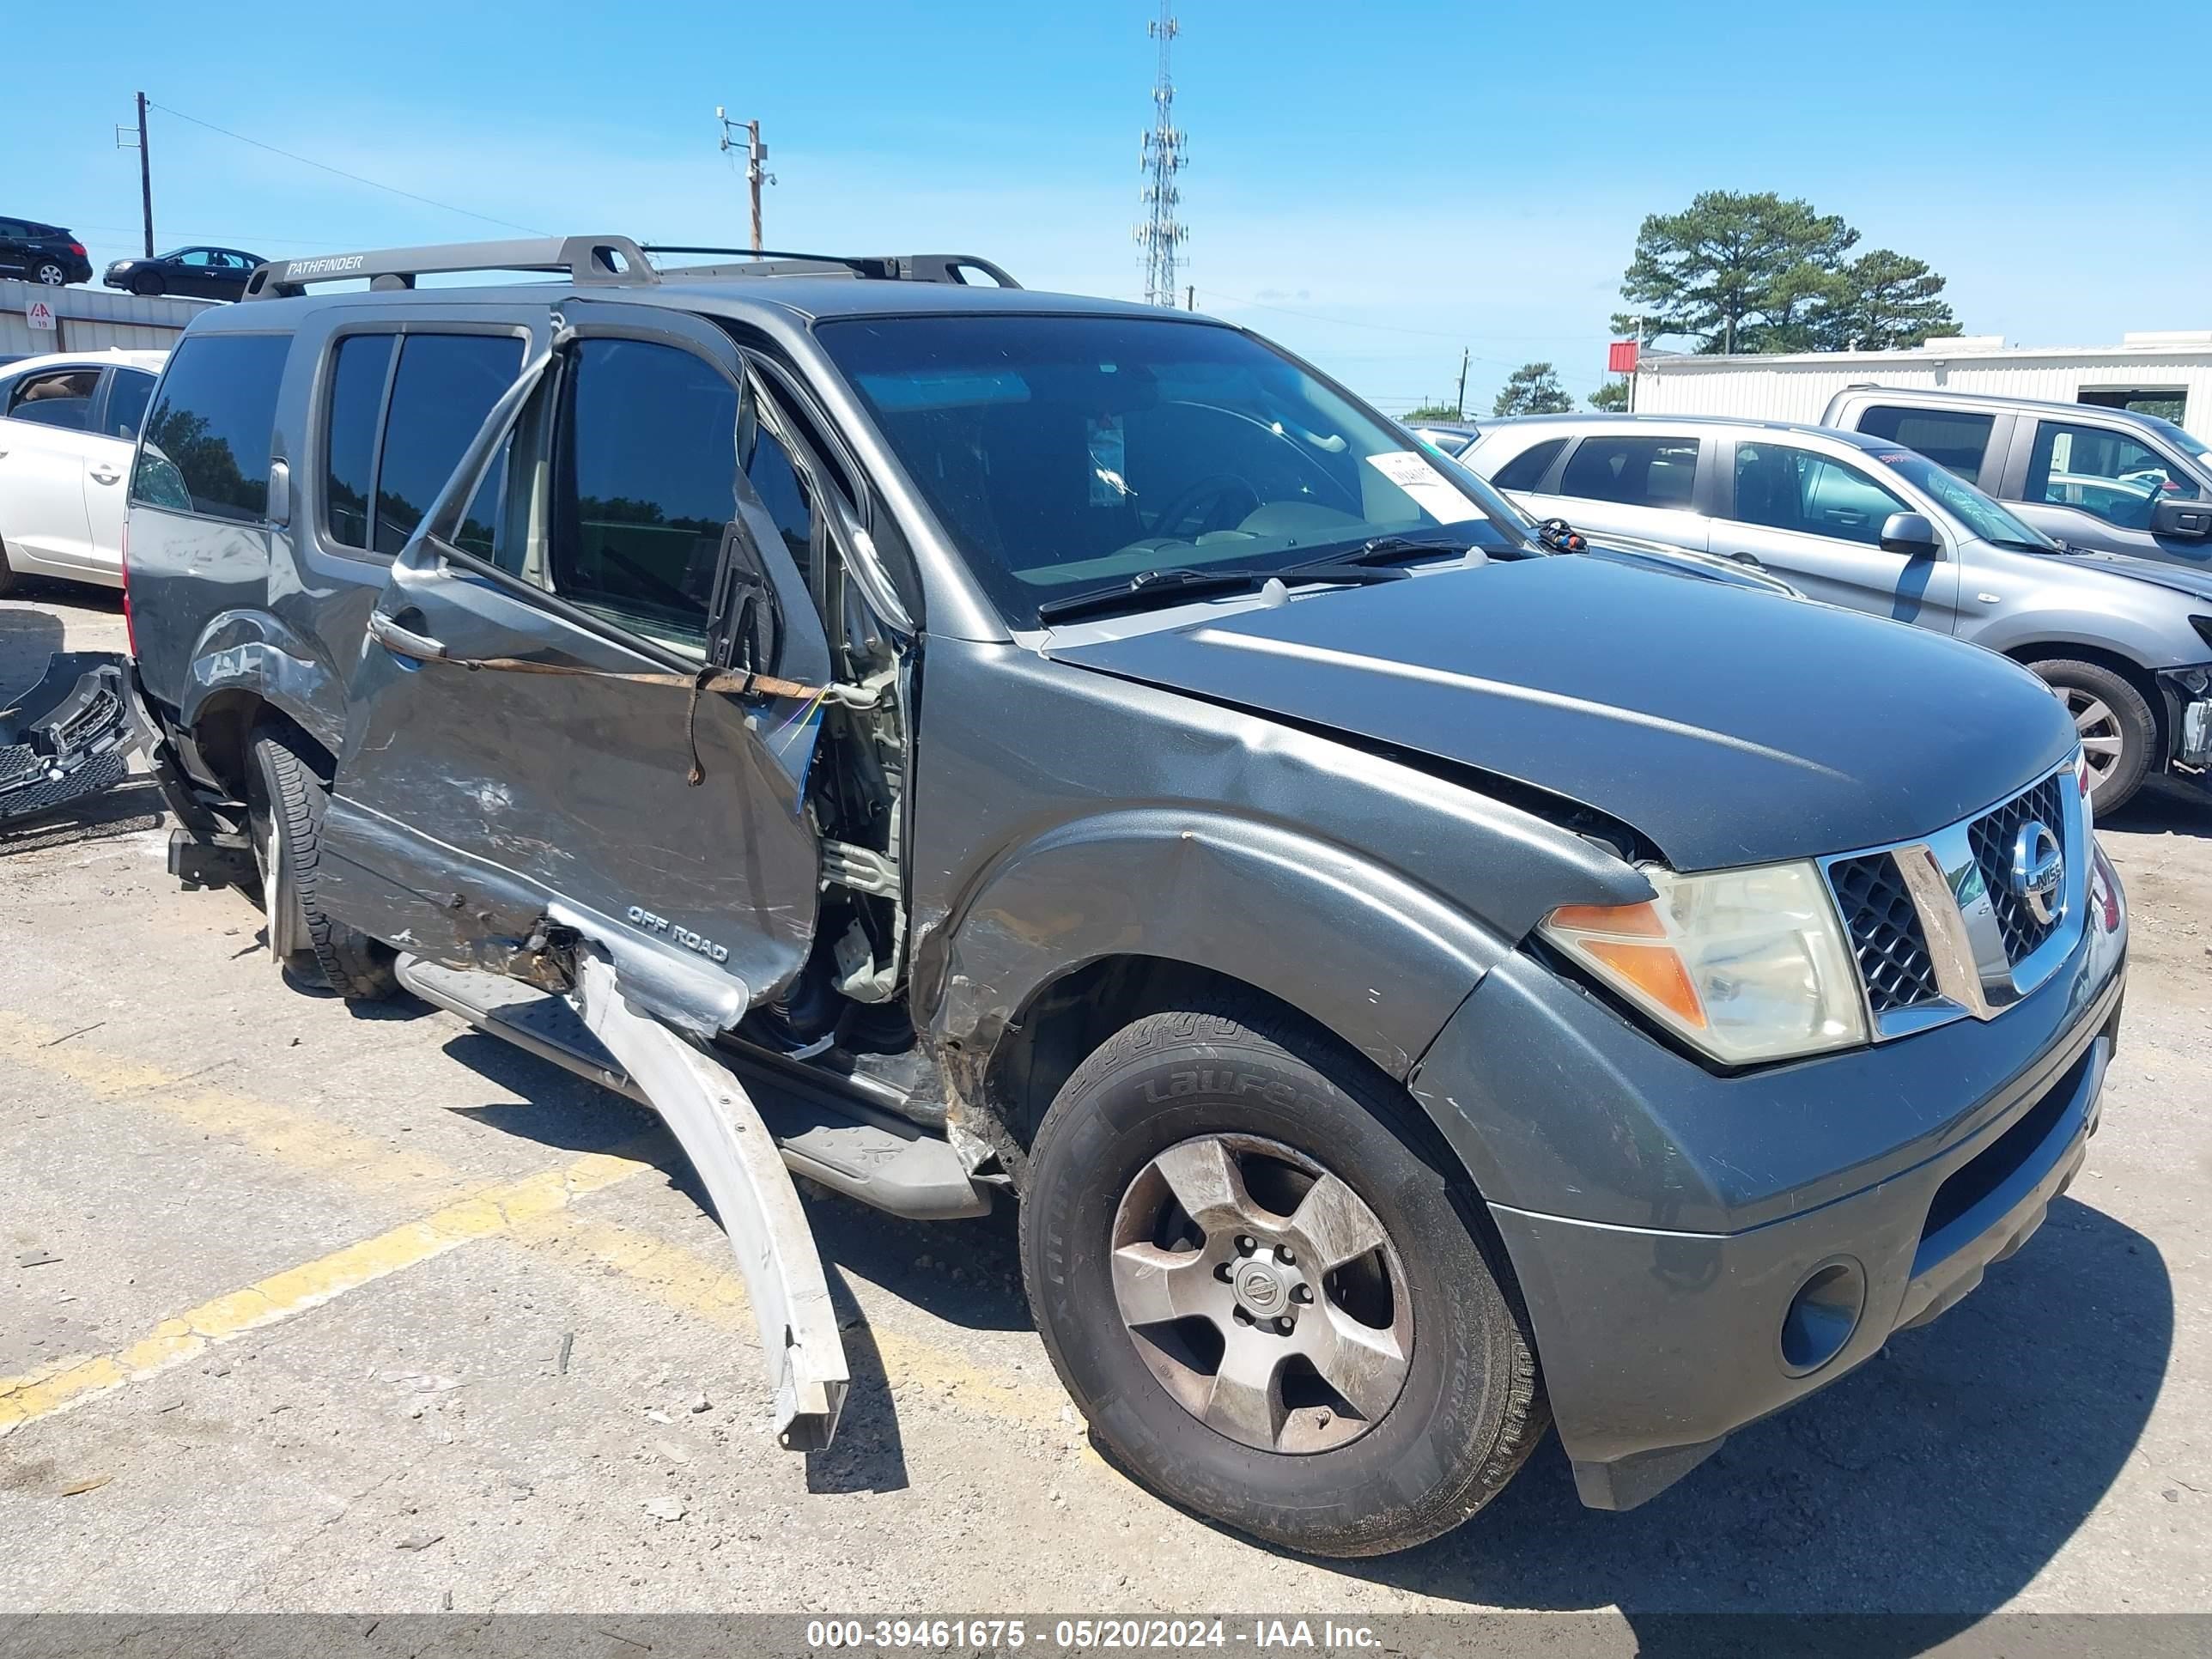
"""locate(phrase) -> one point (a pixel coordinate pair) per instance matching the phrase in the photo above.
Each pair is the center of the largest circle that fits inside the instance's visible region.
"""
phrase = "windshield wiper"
(1370, 560)
(1354, 566)
(1150, 587)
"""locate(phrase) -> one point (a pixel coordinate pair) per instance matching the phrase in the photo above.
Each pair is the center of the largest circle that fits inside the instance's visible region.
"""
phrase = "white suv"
(68, 425)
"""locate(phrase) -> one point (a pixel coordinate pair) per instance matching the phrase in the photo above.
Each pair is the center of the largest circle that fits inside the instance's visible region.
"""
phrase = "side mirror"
(1911, 534)
(2190, 520)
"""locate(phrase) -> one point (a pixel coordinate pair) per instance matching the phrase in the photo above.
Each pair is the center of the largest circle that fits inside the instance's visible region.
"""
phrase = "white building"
(2142, 369)
(89, 319)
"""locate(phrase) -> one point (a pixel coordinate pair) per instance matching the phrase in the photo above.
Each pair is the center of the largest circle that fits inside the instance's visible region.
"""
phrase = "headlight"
(1746, 965)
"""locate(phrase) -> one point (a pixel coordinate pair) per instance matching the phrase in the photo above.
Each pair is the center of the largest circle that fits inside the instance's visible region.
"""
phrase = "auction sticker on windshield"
(1432, 493)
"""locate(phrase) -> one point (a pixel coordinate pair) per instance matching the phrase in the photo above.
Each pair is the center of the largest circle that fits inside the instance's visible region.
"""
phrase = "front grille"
(1885, 933)
(1991, 836)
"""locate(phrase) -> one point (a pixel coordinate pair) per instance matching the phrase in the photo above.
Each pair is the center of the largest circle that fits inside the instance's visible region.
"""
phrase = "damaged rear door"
(591, 690)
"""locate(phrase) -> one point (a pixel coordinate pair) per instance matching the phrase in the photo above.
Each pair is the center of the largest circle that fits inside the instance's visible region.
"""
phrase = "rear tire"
(9, 579)
(285, 804)
(2107, 712)
(1297, 1462)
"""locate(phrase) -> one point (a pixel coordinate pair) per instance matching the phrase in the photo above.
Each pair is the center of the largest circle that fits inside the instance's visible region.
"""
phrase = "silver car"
(1861, 521)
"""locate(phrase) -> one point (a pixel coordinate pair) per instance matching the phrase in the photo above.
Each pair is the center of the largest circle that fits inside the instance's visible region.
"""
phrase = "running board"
(882, 1162)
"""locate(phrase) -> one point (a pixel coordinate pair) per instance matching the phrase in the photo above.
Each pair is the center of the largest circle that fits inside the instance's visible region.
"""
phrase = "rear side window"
(1954, 440)
(59, 396)
(363, 364)
(445, 388)
(206, 447)
(1522, 471)
(1633, 471)
(645, 483)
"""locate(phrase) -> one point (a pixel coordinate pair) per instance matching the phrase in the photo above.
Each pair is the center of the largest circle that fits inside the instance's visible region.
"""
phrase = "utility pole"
(1190, 296)
(756, 173)
(1459, 402)
(138, 141)
(1638, 369)
(1160, 157)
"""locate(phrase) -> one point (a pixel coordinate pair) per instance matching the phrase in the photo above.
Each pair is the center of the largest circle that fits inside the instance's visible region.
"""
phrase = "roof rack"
(595, 260)
(883, 268)
(600, 261)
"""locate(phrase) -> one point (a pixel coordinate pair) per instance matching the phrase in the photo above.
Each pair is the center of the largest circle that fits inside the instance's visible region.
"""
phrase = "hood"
(1727, 726)
(2182, 578)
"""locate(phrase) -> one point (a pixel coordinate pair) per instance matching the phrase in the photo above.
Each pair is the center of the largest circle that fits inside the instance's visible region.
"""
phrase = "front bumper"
(69, 737)
(1677, 1235)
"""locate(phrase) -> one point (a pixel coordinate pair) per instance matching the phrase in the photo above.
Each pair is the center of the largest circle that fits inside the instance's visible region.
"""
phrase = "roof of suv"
(1979, 400)
(1600, 421)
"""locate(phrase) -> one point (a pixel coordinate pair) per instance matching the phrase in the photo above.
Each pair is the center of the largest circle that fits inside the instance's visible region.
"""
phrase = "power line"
(446, 207)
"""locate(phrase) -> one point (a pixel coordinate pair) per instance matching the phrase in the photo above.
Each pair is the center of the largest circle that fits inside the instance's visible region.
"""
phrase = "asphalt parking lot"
(303, 1308)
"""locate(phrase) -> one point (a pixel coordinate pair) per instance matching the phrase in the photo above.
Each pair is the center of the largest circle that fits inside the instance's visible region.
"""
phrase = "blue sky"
(1376, 186)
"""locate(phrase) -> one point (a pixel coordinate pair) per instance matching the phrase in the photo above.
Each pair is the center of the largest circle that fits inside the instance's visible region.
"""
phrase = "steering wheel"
(1217, 487)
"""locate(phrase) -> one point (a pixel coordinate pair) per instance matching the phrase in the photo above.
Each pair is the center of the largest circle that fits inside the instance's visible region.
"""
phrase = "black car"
(42, 253)
(201, 273)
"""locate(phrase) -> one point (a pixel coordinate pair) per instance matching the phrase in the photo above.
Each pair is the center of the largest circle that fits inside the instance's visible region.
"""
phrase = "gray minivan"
(1420, 985)
(1871, 524)
(2111, 479)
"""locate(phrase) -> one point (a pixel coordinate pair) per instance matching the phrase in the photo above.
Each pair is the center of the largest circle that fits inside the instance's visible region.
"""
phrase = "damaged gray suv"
(1420, 979)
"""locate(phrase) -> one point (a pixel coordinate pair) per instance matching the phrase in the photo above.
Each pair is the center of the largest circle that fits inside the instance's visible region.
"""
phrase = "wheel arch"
(247, 660)
(2145, 683)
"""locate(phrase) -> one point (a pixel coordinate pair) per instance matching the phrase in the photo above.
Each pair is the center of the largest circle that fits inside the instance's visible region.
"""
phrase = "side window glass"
(1952, 439)
(196, 259)
(1787, 488)
(127, 396)
(645, 483)
(61, 397)
(784, 493)
(206, 446)
(1633, 471)
(2103, 472)
(445, 388)
(357, 378)
(1843, 503)
(1525, 469)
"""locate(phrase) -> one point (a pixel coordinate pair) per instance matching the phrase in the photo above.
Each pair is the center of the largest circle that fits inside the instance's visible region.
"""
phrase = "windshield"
(1065, 454)
(1963, 502)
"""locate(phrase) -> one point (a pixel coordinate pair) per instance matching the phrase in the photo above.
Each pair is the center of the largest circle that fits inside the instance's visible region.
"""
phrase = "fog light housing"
(1822, 1315)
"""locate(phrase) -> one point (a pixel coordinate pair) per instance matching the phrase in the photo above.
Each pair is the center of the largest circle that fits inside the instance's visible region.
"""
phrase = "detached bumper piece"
(69, 737)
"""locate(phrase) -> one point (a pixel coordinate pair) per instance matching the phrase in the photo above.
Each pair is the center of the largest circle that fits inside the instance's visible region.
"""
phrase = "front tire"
(285, 802)
(1274, 1308)
(147, 284)
(2118, 733)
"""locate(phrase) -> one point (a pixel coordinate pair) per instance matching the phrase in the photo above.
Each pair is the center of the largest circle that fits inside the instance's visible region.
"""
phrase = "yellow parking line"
(677, 1279)
(483, 1214)
(293, 1137)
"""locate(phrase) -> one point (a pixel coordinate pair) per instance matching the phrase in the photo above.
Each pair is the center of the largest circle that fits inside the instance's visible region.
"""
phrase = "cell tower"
(1160, 157)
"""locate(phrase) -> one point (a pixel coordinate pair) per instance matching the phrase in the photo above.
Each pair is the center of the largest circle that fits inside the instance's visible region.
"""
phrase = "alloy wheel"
(1262, 1293)
(53, 275)
(2098, 727)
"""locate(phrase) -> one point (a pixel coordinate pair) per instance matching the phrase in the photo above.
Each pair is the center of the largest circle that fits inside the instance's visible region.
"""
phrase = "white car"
(68, 424)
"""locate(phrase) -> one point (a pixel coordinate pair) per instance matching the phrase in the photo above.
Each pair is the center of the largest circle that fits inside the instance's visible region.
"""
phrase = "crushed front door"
(536, 736)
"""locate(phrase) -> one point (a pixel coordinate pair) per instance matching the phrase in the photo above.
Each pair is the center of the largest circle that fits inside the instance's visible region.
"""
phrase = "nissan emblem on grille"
(2039, 870)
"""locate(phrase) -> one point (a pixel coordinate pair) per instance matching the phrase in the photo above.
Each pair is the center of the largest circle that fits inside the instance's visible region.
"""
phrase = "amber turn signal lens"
(1655, 970)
